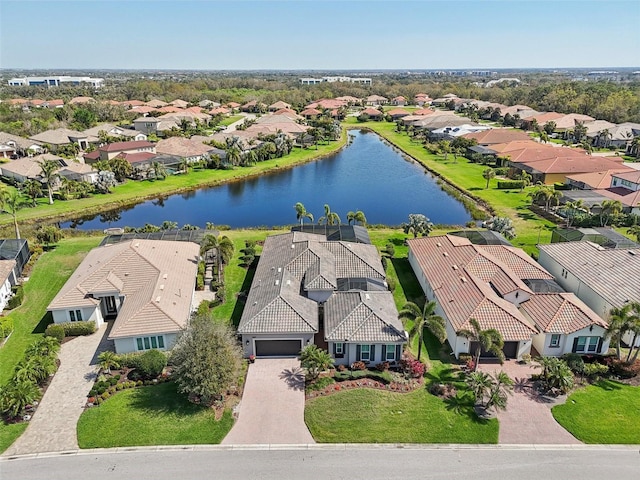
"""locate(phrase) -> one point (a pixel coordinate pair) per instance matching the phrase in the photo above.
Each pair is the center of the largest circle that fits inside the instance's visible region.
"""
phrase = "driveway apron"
(528, 418)
(53, 426)
(272, 407)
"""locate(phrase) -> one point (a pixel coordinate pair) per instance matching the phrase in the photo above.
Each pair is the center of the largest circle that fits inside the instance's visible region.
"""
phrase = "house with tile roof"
(60, 137)
(308, 289)
(498, 285)
(93, 134)
(603, 278)
(112, 150)
(144, 286)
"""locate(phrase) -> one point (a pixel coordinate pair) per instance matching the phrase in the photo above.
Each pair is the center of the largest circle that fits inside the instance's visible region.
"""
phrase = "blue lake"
(367, 175)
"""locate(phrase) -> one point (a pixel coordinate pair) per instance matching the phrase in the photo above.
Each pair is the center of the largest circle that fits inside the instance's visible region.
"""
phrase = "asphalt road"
(328, 462)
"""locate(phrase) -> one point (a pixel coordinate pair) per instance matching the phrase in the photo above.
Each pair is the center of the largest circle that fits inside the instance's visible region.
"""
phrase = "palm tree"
(418, 225)
(424, 318)
(543, 136)
(49, 175)
(634, 230)
(489, 340)
(108, 360)
(610, 208)
(32, 189)
(488, 174)
(329, 217)
(502, 225)
(356, 217)
(301, 213)
(16, 395)
(502, 386)
(634, 147)
(572, 208)
(525, 178)
(184, 165)
(579, 132)
(606, 135)
(46, 346)
(222, 245)
(315, 360)
(545, 194)
(10, 202)
(619, 325)
(480, 384)
(158, 170)
(634, 328)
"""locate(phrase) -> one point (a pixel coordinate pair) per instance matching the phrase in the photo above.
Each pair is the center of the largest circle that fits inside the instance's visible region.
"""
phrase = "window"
(390, 355)
(75, 315)
(555, 340)
(365, 353)
(587, 344)
(339, 348)
(147, 343)
(593, 344)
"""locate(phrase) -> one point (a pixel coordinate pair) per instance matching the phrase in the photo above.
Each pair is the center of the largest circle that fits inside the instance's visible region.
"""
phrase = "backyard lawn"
(607, 412)
(155, 415)
(375, 416)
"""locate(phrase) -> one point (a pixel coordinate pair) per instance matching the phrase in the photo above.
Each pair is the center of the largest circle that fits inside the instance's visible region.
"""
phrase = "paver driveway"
(272, 407)
(53, 426)
(527, 418)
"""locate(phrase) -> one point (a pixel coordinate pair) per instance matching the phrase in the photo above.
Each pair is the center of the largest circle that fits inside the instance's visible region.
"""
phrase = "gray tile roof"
(611, 273)
(357, 316)
(297, 262)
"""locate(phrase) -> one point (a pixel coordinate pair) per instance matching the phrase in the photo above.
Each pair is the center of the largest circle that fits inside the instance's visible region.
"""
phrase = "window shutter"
(372, 357)
(384, 353)
(398, 352)
(600, 345)
(334, 349)
(575, 346)
(358, 357)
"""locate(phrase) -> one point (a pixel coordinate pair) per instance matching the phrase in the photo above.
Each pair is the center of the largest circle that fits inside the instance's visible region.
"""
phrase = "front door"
(110, 303)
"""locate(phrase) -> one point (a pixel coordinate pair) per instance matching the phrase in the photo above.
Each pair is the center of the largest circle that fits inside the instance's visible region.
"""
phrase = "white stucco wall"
(5, 294)
(128, 344)
(88, 314)
(542, 340)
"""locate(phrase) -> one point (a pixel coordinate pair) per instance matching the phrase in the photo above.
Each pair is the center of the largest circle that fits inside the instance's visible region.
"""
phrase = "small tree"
(424, 318)
(502, 225)
(418, 225)
(49, 234)
(488, 174)
(206, 359)
(315, 360)
(16, 395)
(489, 340)
(108, 360)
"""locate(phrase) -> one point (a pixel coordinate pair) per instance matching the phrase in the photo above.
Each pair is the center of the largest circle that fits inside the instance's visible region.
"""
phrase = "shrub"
(575, 362)
(470, 365)
(384, 377)
(501, 171)
(199, 282)
(622, 369)
(382, 366)
(105, 395)
(526, 358)
(250, 243)
(128, 360)
(510, 184)
(385, 263)
(391, 284)
(358, 366)
(413, 367)
(320, 383)
(390, 249)
(16, 300)
(75, 329)
(247, 260)
(56, 331)
(6, 326)
(464, 357)
(151, 363)
(595, 370)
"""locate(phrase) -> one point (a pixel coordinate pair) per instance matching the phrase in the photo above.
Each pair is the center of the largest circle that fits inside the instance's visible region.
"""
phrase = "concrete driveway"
(272, 407)
(527, 419)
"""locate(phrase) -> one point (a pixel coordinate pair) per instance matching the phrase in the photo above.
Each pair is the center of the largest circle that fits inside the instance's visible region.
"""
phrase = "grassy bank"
(467, 176)
(133, 192)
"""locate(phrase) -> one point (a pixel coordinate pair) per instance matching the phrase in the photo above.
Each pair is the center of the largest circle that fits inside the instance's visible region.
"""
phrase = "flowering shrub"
(382, 367)
(413, 367)
(470, 365)
(358, 366)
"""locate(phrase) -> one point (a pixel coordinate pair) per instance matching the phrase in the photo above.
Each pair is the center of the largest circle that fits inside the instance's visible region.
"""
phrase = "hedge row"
(70, 329)
(16, 300)
(509, 184)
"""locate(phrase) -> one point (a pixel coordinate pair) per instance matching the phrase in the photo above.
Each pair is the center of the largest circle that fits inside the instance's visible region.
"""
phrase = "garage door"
(278, 348)
(510, 350)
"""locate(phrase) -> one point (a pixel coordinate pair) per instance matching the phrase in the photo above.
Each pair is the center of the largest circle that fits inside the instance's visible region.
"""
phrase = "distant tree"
(169, 225)
(549, 127)
(356, 217)
(488, 174)
(48, 234)
(49, 169)
(84, 117)
(329, 217)
(489, 340)
(444, 147)
(424, 318)
(11, 201)
(315, 360)
(207, 360)
(418, 224)
(301, 213)
(158, 170)
(32, 189)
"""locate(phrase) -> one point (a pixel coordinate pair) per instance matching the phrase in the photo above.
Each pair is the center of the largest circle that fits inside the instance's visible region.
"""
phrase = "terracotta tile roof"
(545, 117)
(137, 157)
(279, 105)
(372, 112)
(606, 271)
(560, 313)
(133, 103)
(182, 147)
(423, 111)
(155, 103)
(466, 277)
(80, 100)
(170, 109)
(597, 180)
(397, 111)
(179, 103)
(157, 279)
(310, 112)
(628, 198)
(569, 121)
(143, 109)
(25, 167)
(233, 104)
(567, 165)
(497, 136)
(124, 146)
(219, 111)
(630, 175)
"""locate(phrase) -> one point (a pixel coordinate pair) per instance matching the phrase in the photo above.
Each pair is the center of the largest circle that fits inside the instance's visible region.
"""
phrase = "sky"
(318, 34)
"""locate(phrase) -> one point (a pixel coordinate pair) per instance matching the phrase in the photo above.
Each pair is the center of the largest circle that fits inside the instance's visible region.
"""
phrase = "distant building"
(56, 81)
(316, 81)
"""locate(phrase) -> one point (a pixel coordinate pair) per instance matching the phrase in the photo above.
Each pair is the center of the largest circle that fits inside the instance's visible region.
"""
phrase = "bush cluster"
(622, 369)
(384, 377)
(76, 329)
(56, 331)
(6, 327)
(510, 184)
(16, 300)
(151, 363)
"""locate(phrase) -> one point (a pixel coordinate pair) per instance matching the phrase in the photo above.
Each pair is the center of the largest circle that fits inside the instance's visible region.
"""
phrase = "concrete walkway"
(528, 418)
(53, 426)
(272, 407)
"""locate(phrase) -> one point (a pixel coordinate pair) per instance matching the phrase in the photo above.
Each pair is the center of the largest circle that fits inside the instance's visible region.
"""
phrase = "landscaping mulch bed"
(410, 386)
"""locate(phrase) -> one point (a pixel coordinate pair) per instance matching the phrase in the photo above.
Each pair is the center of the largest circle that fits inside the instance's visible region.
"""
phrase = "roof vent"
(279, 269)
(126, 274)
(438, 244)
(631, 252)
(137, 245)
(158, 299)
(293, 246)
(455, 267)
(463, 280)
(367, 296)
(445, 254)
(164, 276)
(277, 282)
(288, 282)
(161, 287)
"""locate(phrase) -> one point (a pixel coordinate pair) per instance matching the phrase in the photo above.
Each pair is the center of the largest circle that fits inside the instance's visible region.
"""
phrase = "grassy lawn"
(468, 176)
(229, 120)
(137, 191)
(607, 412)
(374, 416)
(156, 415)
(50, 272)
(9, 434)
